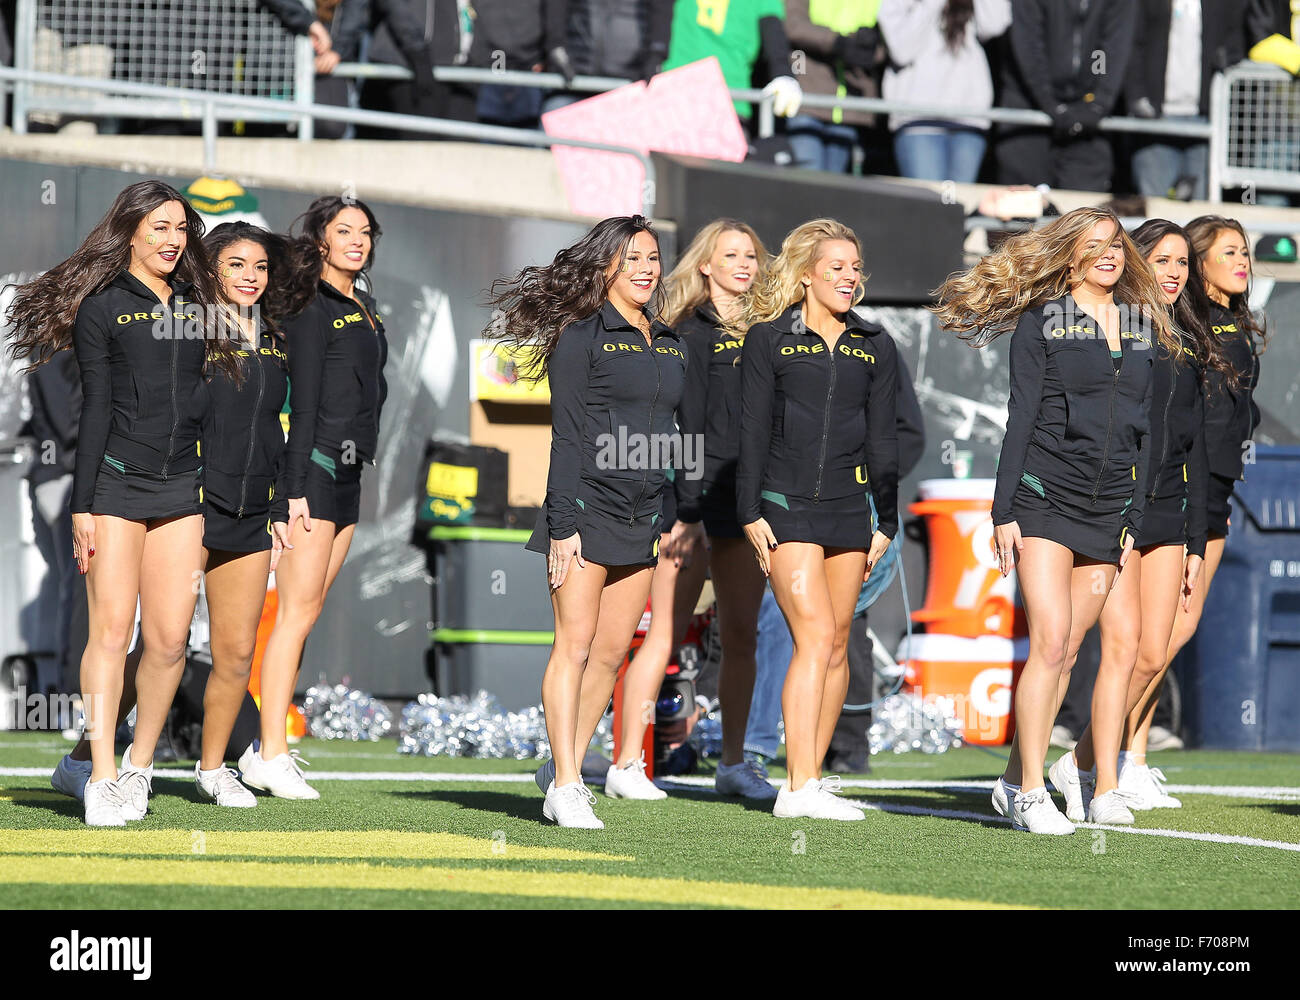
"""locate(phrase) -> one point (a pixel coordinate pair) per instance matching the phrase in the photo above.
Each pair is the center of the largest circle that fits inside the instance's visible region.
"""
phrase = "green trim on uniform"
(324, 461)
(500, 637)
(581, 505)
(1034, 483)
(115, 464)
(469, 533)
(777, 498)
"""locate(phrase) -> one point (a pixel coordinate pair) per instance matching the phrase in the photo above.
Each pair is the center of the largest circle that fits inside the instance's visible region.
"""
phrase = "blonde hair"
(782, 285)
(687, 287)
(1034, 267)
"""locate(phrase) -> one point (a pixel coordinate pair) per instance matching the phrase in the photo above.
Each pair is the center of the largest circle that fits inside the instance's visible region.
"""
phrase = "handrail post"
(648, 187)
(24, 45)
(1218, 150)
(767, 117)
(304, 85)
(209, 137)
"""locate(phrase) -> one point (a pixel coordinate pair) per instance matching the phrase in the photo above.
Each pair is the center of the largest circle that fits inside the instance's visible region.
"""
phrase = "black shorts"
(334, 495)
(1217, 506)
(1070, 519)
(224, 532)
(718, 512)
(143, 496)
(1164, 522)
(668, 512)
(842, 522)
(607, 539)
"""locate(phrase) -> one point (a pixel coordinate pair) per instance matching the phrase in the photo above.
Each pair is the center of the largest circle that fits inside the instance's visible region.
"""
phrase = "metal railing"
(209, 108)
(1256, 119)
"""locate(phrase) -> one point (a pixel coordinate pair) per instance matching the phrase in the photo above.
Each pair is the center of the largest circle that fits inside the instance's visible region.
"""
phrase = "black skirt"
(668, 512)
(843, 522)
(606, 539)
(334, 495)
(1164, 522)
(224, 532)
(1217, 506)
(718, 512)
(141, 496)
(1070, 519)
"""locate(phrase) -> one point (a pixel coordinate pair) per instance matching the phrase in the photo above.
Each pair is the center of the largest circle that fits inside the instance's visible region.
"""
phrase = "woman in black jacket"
(1067, 509)
(616, 373)
(138, 303)
(1165, 567)
(337, 351)
(817, 432)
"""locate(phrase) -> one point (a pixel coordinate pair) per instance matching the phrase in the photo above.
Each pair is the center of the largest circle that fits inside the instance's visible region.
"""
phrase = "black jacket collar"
(612, 319)
(325, 288)
(127, 281)
(791, 321)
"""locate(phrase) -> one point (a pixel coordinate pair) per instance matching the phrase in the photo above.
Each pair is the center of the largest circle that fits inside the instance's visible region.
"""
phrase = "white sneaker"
(1035, 812)
(813, 802)
(104, 803)
(630, 782)
(1075, 785)
(1160, 738)
(570, 805)
(136, 783)
(70, 777)
(1141, 787)
(222, 787)
(1003, 794)
(1063, 738)
(281, 776)
(545, 775)
(1109, 808)
(745, 779)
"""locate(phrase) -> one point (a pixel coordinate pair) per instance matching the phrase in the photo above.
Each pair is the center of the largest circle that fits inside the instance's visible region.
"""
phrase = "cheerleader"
(1163, 570)
(1085, 311)
(138, 303)
(616, 375)
(817, 444)
(337, 350)
(1237, 337)
(724, 261)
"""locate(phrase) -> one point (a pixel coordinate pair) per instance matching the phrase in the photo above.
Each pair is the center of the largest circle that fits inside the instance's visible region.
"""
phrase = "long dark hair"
(44, 310)
(956, 15)
(532, 307)
(308, 235)
(1191, 311)
(287, 268)
(1204, 230)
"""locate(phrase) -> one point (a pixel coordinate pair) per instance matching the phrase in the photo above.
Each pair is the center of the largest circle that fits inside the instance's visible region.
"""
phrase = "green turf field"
(473, 837)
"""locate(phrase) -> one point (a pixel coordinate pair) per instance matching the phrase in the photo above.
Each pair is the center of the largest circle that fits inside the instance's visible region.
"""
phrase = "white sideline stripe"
(1212, 838)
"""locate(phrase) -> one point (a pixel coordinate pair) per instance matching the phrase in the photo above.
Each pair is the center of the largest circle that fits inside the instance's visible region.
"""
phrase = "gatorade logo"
(804, 349)
(857, 352)
(990, 692)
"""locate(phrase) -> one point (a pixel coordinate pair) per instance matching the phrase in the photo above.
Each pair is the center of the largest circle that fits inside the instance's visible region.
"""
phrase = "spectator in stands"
(1183, 43)
(737, 34)
(332, 90)
(1273, 34)
(402, 33)
(1067, 58)
(621, 38)
(515, 35)
(836, 52)
(936, 57)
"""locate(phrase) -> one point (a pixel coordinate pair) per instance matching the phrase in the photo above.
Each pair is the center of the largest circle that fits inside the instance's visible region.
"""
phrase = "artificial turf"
(383, 843)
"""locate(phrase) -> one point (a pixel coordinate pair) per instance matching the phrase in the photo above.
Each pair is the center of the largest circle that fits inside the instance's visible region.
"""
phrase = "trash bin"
(1240, 673)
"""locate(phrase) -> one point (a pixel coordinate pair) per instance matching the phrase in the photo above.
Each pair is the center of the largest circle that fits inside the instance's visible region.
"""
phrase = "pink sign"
(686, 111)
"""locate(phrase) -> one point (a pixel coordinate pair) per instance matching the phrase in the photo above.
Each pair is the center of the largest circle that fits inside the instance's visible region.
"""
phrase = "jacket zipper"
(826, 427)
(176, 419)
(1164, 443)
(374, 330)
(1105, 448)
(252, 436)
(659, 382)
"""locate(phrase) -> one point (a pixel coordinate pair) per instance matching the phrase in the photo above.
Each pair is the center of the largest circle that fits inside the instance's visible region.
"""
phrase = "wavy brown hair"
(1204, 230)
(686, 288)
(1191, 311)
(305, 253)
(1031, 268)
(782, 286)
(44, 310)
(531, 308)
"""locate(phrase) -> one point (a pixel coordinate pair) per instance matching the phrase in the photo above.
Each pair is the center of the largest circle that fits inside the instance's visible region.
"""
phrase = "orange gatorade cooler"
(979, 675)
(966, 594)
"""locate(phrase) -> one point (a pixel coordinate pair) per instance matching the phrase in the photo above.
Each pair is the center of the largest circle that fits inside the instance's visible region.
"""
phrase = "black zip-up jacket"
(710, 406)
(143, 396)
(612, 398)
(525, 30)
(818, 423)
(1179, 463)
(1231, 416)
(1223, 44)
(55, 393)
(615, 37)
(1074, 423)
(1052, 58)
(243, 441)
(336, 381)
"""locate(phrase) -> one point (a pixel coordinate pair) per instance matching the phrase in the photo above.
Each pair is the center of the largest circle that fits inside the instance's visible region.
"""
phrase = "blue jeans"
(1158, 165)
(932, 151)
(772, 660)
(819, 145)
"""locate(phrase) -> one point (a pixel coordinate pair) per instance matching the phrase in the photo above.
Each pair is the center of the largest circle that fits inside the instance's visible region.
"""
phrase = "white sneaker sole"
(549, 814)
